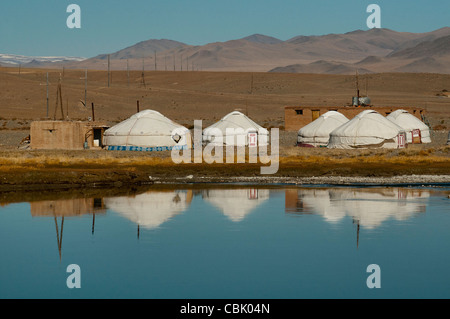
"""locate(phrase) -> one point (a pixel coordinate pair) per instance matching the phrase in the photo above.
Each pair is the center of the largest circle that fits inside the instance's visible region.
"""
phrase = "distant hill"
(260, 38)
(322, 67)
(435, 48)
(143, 49)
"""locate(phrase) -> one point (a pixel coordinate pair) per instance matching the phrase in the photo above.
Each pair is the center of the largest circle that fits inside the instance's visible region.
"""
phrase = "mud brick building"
(66, 135)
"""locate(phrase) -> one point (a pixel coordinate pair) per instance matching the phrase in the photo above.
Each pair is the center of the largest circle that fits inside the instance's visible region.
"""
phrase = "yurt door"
(416, 136)
(401, 140)
(252, 139)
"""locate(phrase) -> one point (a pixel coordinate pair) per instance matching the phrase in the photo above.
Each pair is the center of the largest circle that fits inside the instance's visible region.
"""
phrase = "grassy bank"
(56, 169)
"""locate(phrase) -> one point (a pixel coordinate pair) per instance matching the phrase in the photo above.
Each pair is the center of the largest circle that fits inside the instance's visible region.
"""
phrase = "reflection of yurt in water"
(150, 210)
(367, 207)
(236, 204)
(315, 201)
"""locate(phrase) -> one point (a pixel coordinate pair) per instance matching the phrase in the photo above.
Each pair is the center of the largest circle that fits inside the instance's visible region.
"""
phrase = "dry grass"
(290, 156)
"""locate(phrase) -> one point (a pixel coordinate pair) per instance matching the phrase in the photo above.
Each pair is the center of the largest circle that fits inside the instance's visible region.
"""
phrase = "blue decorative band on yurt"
(146, 149)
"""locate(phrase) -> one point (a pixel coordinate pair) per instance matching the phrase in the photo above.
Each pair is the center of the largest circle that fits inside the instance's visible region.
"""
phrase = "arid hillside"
(188, 96)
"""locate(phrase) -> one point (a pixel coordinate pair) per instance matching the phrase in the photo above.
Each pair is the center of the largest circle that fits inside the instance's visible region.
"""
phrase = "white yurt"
(147, 130)
(416, 131)
(368, 129)
(317, 133)
(242, 128)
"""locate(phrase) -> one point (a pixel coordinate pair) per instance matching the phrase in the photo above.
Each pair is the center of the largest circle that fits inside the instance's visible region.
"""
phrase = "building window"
(299, 112)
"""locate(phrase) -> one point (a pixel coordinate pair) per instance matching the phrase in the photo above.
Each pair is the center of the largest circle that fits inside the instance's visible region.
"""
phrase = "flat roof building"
(66, 135)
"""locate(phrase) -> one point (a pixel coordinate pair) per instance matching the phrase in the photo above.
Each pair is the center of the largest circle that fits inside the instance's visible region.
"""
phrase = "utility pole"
(85, 87)
(109, 66)
(174, 62)
(47, 94)
(142, 75)
(128, 74)
(181, 62)
(155, 62)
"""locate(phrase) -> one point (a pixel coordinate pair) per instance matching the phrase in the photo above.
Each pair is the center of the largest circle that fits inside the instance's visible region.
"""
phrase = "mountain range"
(375, 50)
(29, 61)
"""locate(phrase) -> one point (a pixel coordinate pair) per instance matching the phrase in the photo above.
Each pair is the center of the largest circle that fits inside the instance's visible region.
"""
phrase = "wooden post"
(59, 99)
(137, 106)
(93, 114)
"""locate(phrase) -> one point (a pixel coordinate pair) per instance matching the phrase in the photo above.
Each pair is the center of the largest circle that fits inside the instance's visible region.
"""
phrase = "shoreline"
(135, 181)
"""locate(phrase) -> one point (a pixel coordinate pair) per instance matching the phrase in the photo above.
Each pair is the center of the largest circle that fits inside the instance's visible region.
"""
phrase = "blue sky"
(30, 27)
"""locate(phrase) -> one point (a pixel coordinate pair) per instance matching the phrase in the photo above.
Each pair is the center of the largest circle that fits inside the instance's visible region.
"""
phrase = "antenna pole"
(357, 88)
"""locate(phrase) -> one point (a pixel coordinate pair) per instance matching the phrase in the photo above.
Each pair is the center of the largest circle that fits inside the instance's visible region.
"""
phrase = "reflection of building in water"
(151, 209)
(66, 208)
(236, 203)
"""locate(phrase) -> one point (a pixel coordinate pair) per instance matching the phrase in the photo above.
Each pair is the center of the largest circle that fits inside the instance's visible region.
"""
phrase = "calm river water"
(228, 243)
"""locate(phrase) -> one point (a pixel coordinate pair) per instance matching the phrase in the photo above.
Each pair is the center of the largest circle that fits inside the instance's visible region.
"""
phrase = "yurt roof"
(147, 122)
(369, 123)
(236, 120)
(406, 120)
(323, 125)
